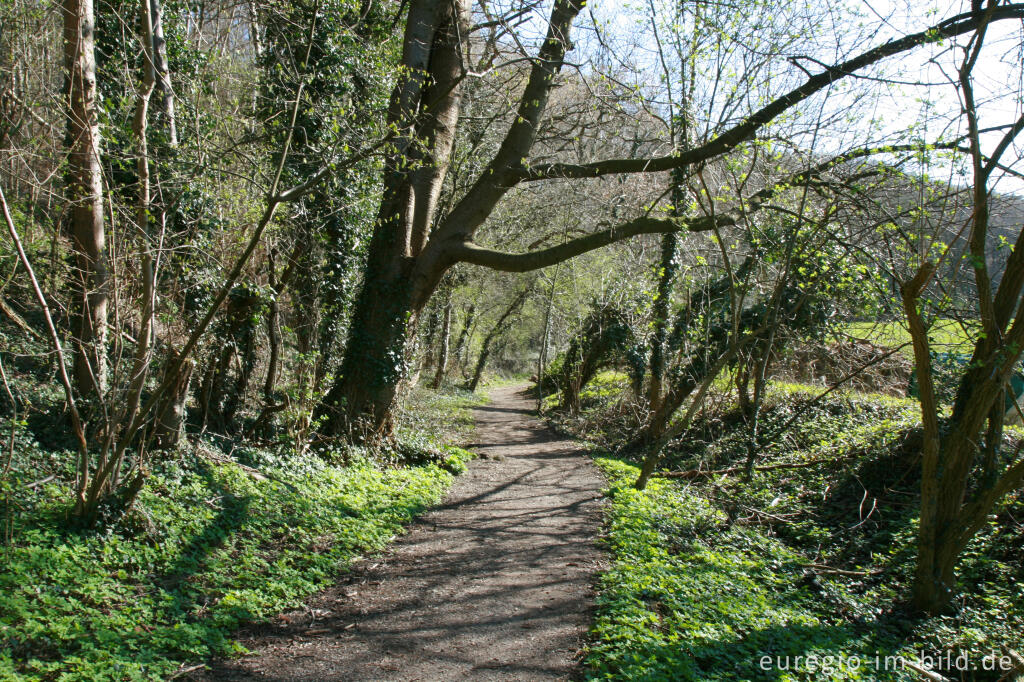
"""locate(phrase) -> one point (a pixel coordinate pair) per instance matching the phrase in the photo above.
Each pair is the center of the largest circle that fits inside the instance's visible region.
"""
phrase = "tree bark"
(171, 412)
(85, 193)
(442, 355)
(467, 324)
(144, 338)
(358, 405)
(667, 271)
(162, 70)
(359, 402)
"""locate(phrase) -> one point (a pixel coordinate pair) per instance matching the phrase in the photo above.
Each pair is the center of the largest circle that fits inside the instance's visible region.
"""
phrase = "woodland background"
(277, 246)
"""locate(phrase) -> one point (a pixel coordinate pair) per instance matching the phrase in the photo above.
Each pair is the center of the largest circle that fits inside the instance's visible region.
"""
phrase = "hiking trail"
(493, 584)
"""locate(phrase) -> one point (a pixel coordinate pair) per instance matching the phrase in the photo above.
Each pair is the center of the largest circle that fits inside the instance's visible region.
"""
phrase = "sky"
(920, 93)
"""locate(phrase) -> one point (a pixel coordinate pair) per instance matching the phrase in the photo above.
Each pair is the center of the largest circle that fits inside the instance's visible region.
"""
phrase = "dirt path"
(492, 585)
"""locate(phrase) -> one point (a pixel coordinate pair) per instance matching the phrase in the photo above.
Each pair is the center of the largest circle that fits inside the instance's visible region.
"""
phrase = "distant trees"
(605, 337)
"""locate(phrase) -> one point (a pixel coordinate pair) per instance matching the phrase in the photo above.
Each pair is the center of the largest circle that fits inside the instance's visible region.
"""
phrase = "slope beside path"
(494, 584)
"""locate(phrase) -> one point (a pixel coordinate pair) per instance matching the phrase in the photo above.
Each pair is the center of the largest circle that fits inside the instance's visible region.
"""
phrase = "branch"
(954, 26)
(69, 395)
(468, 252)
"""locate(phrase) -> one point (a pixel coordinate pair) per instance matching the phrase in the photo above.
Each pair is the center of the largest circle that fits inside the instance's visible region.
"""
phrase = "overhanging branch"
(468, 252)
(730, 139)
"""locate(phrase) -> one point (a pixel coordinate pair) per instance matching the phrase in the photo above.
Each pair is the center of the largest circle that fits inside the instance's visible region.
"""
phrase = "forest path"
(494, 584)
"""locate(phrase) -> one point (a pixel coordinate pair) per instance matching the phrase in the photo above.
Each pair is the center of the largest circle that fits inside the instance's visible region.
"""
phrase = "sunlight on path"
(492, 585)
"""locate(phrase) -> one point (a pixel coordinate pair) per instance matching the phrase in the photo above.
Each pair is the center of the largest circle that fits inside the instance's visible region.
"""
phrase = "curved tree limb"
(954, 26)
(468, 252)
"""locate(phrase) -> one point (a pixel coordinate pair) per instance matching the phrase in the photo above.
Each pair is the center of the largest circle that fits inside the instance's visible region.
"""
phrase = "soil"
(494, 584)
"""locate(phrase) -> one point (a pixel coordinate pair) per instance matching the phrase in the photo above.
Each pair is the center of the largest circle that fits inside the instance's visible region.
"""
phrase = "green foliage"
(677, 605)
(213, 542)
(209, 547)
(604, 338)
(708, 577)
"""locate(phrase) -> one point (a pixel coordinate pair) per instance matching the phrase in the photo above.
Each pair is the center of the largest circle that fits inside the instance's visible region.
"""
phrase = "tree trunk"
(85, 189)
(442, 355)
(433, 322)
(467, 325)
(359, 403)
(170, 422)
(162, 70)
(743, 374)
(668, 268)
(545, 339)
(398, 282)
(144, 338)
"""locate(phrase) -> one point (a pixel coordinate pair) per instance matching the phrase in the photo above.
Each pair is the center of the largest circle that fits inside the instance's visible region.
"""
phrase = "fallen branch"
(822, 568)
(925, 673)
(758, 512)
(17, 319)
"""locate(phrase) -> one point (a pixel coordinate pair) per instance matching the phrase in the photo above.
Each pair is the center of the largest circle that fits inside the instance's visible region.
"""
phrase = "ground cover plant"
(217, 538)
(811, 558)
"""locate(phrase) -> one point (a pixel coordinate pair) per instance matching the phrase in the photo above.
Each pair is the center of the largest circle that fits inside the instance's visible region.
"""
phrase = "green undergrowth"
(812, 559)
(214, 542)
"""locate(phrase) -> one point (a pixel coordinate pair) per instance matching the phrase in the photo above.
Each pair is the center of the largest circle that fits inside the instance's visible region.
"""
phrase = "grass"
(946, 336)
(214, 542)
(711, 576)
(675, 606)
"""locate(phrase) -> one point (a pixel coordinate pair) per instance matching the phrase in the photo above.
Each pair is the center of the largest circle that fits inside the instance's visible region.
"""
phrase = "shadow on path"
(492, 585)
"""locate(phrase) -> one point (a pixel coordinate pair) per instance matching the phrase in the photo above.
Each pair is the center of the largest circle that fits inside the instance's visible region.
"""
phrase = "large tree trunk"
(359, 403)
(408, 253)
(424, 108)
(85, 190)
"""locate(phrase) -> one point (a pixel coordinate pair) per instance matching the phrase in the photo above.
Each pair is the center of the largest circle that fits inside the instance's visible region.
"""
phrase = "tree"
(605, 337)
(409, 252)
(85, 194)
(965, 472)
(500, 328)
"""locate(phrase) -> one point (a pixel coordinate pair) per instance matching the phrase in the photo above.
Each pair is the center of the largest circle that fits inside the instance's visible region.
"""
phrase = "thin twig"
(69, 396)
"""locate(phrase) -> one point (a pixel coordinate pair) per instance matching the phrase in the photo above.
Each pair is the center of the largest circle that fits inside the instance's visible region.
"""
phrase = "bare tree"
(85, 194)
(965, 471)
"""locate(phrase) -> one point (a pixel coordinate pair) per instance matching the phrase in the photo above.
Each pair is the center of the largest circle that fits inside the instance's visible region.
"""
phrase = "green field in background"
(946, 336)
